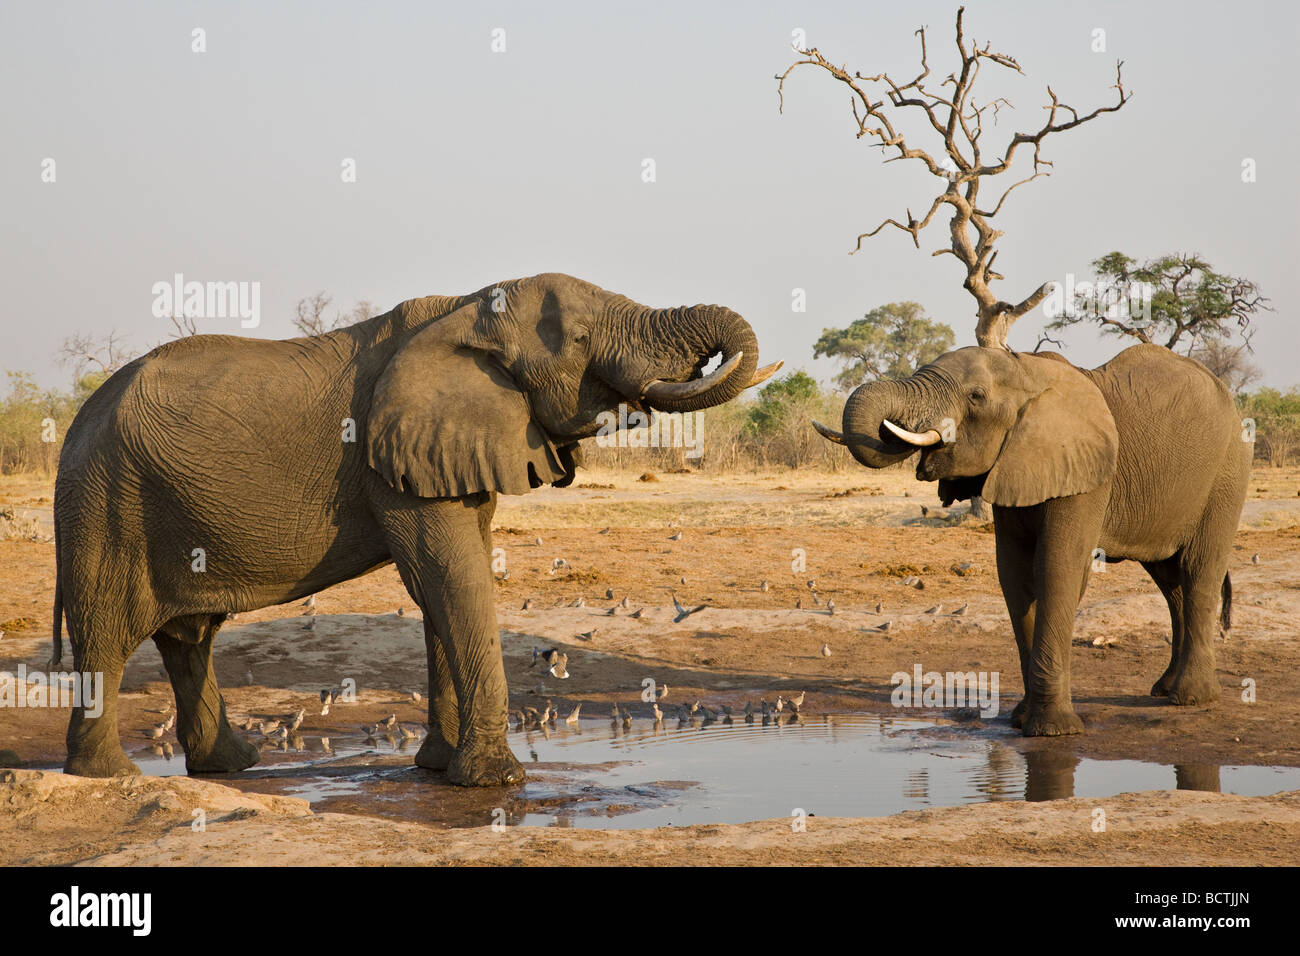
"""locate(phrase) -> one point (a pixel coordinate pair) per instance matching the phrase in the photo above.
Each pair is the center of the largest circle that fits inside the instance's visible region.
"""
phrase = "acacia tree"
(1191, 307)
(953, 113)
(891, 341)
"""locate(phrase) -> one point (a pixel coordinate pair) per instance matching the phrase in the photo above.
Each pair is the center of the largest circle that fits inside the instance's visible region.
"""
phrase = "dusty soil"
(858, 548)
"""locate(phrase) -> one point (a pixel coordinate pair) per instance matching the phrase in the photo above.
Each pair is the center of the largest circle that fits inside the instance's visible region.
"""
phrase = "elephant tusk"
(923, 440)
(764, 373)
(829, 434)
(661, 391)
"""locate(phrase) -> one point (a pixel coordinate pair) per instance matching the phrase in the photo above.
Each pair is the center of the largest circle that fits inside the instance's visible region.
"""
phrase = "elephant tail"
(1225, 615)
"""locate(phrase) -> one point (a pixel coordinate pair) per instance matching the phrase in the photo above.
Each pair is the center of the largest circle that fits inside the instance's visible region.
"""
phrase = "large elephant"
(220, 474)
(1142, 458)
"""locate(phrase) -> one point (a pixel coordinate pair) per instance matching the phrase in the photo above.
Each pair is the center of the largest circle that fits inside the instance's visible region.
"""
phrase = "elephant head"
(1017, 429)
(492, 391)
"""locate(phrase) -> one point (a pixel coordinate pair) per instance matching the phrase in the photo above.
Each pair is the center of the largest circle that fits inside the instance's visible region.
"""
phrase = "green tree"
(891, 341)
(777, 397)
(1191, 305)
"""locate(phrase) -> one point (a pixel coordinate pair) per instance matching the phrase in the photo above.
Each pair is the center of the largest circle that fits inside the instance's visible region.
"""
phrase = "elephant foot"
(105, 762)
(1189, 690)
(229, 754)
(1052, 722)
(435, 753)
(485, 766)
(1162, 687)
(1018, 713)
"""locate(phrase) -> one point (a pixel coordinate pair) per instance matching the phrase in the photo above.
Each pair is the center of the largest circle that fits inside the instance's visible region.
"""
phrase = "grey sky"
(474, 166)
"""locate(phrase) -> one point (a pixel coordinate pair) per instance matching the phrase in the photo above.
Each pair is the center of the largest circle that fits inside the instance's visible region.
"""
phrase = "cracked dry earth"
(859, 548)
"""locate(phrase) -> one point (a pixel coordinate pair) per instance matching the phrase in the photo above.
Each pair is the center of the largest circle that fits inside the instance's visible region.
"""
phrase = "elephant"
(1143, 458)
(220, 474)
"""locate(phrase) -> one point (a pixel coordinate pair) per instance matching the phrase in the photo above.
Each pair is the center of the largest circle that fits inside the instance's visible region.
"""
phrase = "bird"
(612, 611)
(638, 613)
(925, 512)
(579, 603)
(545, 715)
(767, 708)
(553, 711)
(559, 563)
(798, 604)
(528, 604)
(335, 694)
(248, 677)
(627, 718)
(416, 697)
(280, 734)
(609, 594)
(623, 603)
(401, 612)
(816, 600)
(156, 732)
(661, 692)
(659, 714)
(826, 650)
(554, 659)
(538, 541)
(886, 626)
(1254, 559)
(830, 606)
(573, 715)
(270, 727)
(406, 732)
(324, 696)
(170, 722)
(296, 721)
(675, 537)
(311, 624)
(797, 700)
(749, 711)
(388, 722)
(763, 586)
(935, 610)
(310, 602)
(812, 584)
(879, 605)
(588, 635)
(780, 703)
(684, 613)
(962, 609)
(370, 731)
(603, 531)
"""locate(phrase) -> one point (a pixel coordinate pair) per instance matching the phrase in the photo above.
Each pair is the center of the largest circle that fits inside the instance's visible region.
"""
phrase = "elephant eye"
(977, 394)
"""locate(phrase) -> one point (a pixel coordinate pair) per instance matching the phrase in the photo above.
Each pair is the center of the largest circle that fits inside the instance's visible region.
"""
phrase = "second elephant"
(1144, 458)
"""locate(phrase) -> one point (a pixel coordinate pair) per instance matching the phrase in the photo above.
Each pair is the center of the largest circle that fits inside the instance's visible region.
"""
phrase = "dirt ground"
(858, 535)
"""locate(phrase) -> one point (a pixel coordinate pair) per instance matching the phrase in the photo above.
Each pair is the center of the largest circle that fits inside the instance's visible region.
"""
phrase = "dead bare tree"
(85, 352)
(954, 115)
(309, 318)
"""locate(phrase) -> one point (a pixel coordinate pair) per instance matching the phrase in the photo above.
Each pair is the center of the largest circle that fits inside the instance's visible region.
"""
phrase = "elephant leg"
(1194, 679)
(444, 717)
(94, 748)
(210, 743)
(438, 545)
(1015, 561)
(1069, 531)
(1168, 578)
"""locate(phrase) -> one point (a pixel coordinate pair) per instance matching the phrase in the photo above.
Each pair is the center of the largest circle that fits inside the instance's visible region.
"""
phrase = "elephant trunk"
(658, 355)
(886, 422)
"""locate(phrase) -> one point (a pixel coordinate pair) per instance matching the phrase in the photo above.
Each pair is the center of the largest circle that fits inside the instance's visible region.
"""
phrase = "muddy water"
(597, 774)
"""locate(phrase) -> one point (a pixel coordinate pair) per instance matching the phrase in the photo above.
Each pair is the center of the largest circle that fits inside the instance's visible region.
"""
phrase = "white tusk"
(923, 440)
(829, 434)
(764, 373)
(679, 391)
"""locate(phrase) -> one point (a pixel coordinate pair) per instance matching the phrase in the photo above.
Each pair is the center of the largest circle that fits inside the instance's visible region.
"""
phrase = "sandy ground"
(859, 535)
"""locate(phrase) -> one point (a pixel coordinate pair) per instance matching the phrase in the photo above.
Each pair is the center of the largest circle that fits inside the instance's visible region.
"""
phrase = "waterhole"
(598, 774)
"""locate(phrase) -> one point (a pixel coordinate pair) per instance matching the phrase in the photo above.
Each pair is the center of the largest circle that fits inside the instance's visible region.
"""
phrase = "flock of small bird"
(530, 718)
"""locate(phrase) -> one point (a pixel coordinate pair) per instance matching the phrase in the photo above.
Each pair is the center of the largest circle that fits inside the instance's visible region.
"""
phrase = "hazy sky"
(474, 166)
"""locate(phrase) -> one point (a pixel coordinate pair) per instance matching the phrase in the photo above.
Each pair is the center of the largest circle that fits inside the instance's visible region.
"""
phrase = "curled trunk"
(652, 350)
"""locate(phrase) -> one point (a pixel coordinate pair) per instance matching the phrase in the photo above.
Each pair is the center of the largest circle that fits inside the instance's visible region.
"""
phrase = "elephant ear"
(447, 420)
(1063, 443)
